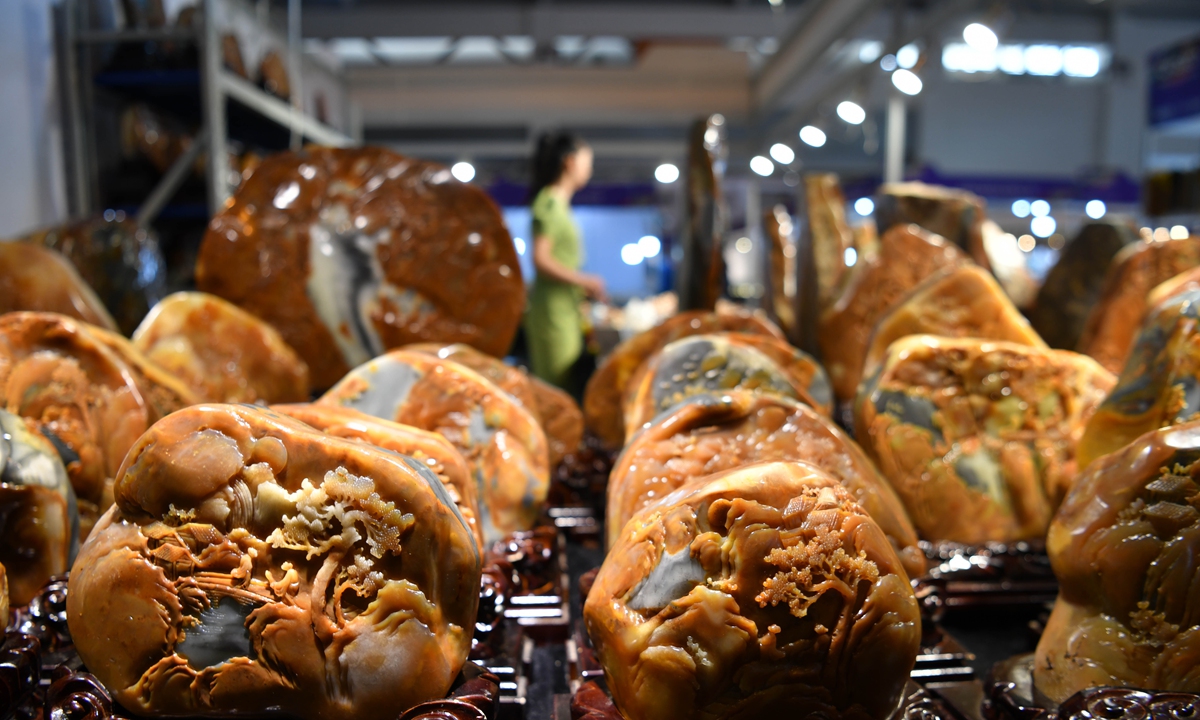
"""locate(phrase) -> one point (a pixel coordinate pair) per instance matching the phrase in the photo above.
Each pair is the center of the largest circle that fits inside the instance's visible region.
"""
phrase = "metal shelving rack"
(217, 87)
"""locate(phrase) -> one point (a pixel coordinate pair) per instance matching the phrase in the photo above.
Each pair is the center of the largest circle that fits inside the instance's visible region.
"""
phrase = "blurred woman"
(553, 325)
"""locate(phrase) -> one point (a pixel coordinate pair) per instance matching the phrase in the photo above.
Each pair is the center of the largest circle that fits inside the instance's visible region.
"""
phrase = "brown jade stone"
(164, 391)
(762, 591)
(555, 410)
(1158, 386)
(1125, 546)
(501, 442)
(1177, 285)
(907, 256)
(39, 518)
(75, 391)
(118, 259)
(978, 437)
(956, 215)
(1073, 285)
(429, 448)
(831, 234)
(966, 302)
(252, 566)
(38, 279)
(708, 364)
(561, 419)
(1113, 323)
(222, 352)
(350, 252)
(602, 400)
(711, 434)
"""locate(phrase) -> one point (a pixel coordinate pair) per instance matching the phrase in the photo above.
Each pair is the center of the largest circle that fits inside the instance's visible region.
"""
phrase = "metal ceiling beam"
(545, 21)
(822, 23)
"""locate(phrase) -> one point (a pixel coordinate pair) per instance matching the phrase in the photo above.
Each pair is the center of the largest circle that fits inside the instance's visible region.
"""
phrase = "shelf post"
(213, 99)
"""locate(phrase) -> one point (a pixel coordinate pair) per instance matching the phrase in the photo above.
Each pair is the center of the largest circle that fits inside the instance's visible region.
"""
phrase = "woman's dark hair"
(553, 149)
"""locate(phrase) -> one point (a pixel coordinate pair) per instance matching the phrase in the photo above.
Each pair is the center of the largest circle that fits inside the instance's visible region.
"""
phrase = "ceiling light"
(1020, 208)
(631, 254)
(520, 245)
(1039, 208)
(908, 56)
(850, 257)
(812, 135)
(1043, 60)
(666, 173)
(907, 82)
(980, 37)
(1095, 209)
(743, 245)
(650, 246)
(463, 171)
(851, 112)
(1081, 62)
(864, 206)
(1179, 232)
(783, 154)
(1043, 226)
(888, 63)
(1027, 243)
(762, 166)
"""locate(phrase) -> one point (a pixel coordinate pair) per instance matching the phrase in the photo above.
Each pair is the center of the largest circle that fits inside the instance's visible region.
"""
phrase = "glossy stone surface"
(717, 363)
(907, 256)
(954, 214)
(501, 442)
(830, 232)
(79, 394)
(280, 570)
(1125, 547)
(39, 519)
(222, 352)
(119, 260)
(561, 418)
(1075, 282)
(431, 449)
(1113, 322)
(38, 279)
(978, 437)
(714, 433)
(602, 401)
(764, 591)
(350, 252)
(1160, 385)
(965, 302)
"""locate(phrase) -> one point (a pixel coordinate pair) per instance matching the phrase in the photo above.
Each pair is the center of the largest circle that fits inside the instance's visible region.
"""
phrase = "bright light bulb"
(908, 56)
(864, 206)
(666, 173)
(1162, 234)
(1095, 209)
(1179, 232)
(762, 166)
(783, 154)
(463, 171)
(812, 136)
(650, 246)
(907, 82)
(631, 254)
(851, 257)
(1043, 226)
(1020, 208)
(851, 112)
(1027, 243)
(1039, 208)
(1082, 62)
(743, 245)
(1045, 60)
(520, 245)
(980, 37)
(888, 63)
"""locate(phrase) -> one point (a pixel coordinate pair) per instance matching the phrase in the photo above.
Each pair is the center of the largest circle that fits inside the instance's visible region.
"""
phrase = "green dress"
(553, 325)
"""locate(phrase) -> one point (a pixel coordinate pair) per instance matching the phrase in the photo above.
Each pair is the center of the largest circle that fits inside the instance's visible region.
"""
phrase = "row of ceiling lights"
(904, 79)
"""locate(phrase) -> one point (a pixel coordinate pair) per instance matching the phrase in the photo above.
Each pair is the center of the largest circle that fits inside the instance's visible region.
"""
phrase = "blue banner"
(1175, 83)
